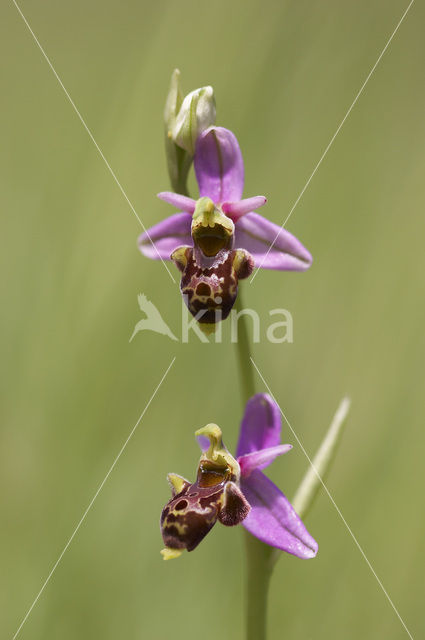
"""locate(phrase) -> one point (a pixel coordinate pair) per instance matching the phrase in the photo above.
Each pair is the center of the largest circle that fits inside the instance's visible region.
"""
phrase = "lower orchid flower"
(235, 490)
(218, 239)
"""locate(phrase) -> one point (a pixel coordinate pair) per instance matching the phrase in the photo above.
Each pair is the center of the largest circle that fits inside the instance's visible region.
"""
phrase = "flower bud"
(178, 160)
(196, 114)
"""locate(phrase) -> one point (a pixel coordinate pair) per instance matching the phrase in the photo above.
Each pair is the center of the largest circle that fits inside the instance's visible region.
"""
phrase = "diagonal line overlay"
(80, 117)
(332, 139)
(334, 503)
(45, 583)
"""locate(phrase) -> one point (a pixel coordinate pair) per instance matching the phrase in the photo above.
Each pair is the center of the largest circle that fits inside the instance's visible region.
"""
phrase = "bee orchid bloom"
(234, 490)
(218, 239)
(215, 495)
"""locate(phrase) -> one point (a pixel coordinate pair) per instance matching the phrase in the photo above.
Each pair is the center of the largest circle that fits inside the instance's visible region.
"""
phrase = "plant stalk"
(246, 370)
(260, 559)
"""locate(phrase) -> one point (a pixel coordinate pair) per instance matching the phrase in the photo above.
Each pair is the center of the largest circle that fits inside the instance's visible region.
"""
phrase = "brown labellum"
(210, 285)
(189, 516)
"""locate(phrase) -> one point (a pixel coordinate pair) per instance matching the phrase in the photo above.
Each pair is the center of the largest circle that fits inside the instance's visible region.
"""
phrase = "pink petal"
(272, 518)
(261, 425)
(219, 165)
(261, 459)
(236, 210)
(177, 200)
(167, 235)
(256, 234)
(203, 442)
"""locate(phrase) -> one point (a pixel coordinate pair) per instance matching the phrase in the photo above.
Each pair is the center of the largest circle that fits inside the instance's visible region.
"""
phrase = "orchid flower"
(218, 239)
(235, 490)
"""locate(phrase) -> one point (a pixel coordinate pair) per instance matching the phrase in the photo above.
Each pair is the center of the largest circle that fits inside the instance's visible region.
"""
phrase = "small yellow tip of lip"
(170, 554)
(207, 327)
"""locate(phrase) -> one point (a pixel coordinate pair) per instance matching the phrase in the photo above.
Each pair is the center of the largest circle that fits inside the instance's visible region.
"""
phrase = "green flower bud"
(178, 160)
(197, 113)
(185, 118)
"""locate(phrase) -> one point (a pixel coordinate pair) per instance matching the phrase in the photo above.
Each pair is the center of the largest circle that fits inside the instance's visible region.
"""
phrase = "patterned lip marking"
(203, 289)
(189, 516)
(211, 290)
(215, 495)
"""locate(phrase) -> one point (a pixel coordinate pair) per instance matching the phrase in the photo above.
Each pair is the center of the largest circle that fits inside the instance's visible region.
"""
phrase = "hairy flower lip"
(215, 495)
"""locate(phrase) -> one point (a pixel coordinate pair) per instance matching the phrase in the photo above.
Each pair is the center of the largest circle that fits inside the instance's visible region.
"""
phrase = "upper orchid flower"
(236, 491)
(218, 239)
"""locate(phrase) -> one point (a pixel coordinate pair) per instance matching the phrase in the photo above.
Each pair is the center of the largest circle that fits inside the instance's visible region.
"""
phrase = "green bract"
(185, 119)
(178, 160)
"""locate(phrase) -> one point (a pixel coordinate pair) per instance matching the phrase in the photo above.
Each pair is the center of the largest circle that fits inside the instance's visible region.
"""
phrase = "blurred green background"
(284, 75)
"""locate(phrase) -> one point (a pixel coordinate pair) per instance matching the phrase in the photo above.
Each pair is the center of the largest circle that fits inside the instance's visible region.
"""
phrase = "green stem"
(258, 573)
(246, 370)
(260, 557)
